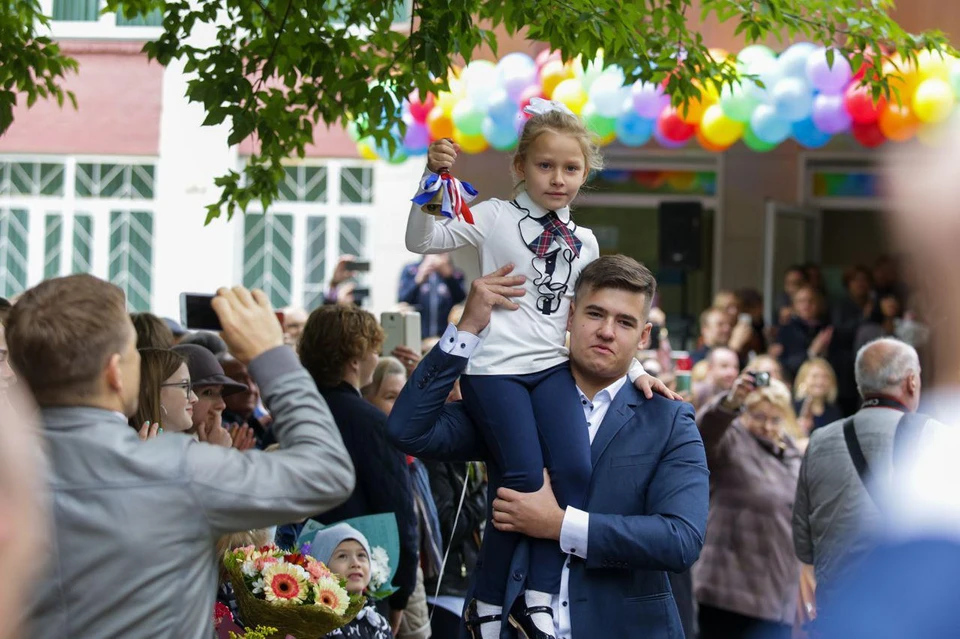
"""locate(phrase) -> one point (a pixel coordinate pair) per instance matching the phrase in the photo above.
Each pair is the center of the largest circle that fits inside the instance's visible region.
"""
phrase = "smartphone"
(197, 314)
(359, 266)
(761, 379)
(402, 329)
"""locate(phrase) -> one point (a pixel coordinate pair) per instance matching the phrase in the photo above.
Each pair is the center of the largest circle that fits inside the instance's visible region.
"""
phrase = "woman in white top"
(517, 386)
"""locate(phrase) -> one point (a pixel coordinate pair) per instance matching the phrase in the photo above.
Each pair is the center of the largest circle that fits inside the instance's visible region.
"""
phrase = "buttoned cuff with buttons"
(459, 343)
(574, 532)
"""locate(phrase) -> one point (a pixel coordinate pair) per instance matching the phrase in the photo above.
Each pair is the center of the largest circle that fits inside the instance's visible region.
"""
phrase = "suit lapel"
(619, 414)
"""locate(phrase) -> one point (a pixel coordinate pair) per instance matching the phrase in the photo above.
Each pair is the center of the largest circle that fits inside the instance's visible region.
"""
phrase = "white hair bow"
(539, 106)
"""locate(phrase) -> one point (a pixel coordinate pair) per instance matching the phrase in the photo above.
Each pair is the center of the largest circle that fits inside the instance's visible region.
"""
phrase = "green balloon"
(737, 104)
(754, 143)
(599, 125)
(468, 118)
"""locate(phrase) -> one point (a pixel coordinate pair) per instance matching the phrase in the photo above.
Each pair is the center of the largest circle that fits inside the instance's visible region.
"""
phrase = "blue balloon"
(501, 108)
(502, 138)
(806, 133)
(768, 126)
(632, 130)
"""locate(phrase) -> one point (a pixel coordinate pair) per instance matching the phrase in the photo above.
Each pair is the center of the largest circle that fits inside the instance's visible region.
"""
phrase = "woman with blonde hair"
(748, 577)
(815, 395)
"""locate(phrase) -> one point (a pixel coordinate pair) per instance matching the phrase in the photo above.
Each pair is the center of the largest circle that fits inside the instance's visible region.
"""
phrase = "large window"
(76, 10)
(90, 216)
(322, 212)
(67, 11)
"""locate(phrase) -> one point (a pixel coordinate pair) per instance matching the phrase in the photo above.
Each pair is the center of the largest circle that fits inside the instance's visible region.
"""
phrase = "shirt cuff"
(636, 370)
(574, 531)
(459, 343)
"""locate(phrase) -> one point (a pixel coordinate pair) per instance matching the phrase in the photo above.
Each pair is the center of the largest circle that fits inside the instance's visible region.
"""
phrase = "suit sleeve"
(311, 472)
(388, 487)
(678, 497)
(424, 425)
(802, 537)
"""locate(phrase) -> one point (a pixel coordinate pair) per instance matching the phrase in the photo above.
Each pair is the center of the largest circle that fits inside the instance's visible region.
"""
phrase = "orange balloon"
(439, 124)
(553, 73)
(898, 122)
(708, 145)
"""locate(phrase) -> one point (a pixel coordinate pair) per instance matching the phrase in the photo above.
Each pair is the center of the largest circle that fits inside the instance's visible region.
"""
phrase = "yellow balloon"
(607, 139)
(934, 65)
(553, 73)
(932, 135)
(903, 77)
(718, 54)
(367, 152)
(470, 143)
(718, 129)
(933, 101)
(571, 93)
(446, 101)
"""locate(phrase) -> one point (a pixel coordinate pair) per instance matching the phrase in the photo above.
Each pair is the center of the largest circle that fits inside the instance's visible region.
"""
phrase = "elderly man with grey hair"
(835, 513)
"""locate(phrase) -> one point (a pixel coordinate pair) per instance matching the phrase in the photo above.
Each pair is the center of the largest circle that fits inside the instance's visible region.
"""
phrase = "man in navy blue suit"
(646, 509)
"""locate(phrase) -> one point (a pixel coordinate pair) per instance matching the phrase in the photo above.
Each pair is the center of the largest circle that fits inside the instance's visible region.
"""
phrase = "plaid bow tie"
(553, 227)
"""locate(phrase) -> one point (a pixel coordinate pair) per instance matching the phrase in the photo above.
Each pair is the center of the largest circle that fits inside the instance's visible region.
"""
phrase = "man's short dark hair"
(618, 272)
(62, 332)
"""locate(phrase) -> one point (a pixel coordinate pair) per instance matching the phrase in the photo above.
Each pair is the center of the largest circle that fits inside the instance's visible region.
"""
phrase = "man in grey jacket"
(135, 522)
(834, 515)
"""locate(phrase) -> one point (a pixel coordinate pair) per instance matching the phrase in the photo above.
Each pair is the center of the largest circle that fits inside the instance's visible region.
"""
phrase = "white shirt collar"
(537, 211)
(611, 391)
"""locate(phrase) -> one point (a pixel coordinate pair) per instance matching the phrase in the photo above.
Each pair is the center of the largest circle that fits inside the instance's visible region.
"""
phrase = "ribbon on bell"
(445, 196)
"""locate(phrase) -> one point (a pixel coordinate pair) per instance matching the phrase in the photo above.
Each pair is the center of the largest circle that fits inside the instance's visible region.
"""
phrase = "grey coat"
(135, 522)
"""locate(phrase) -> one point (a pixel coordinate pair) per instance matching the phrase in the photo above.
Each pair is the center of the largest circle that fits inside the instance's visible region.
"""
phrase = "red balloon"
(868, 134)
(420, 109)
(672, 126)
(860, 105)
(531, 92)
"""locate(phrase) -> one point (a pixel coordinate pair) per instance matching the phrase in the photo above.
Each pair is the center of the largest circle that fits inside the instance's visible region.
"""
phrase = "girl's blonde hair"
(800, 383)
(560, 123)
(778, 395)
(386, 367)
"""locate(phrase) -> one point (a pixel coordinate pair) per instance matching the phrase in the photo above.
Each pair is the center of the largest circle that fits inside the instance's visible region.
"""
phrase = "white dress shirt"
(576, 523)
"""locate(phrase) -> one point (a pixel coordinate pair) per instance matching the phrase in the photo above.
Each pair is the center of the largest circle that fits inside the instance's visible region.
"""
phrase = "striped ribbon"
(455, 195)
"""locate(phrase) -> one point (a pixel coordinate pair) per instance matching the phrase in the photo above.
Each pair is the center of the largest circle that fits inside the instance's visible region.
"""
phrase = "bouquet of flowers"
(290, 591)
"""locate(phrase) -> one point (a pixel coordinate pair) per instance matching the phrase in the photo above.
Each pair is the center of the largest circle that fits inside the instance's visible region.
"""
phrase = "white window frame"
(104, 28)
(69, 206)
(331, 209)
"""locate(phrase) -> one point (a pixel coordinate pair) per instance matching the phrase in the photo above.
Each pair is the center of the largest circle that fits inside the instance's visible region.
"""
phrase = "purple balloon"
(417, 138)
(515, 73)
(825, 78)
(830, 115)
(648, 99)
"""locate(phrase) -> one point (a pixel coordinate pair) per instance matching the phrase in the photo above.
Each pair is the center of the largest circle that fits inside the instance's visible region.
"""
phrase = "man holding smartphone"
(433, 286)
(137, 521)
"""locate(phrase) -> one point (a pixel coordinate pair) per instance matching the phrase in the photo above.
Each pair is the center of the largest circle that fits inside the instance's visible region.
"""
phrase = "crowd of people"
(746, 510)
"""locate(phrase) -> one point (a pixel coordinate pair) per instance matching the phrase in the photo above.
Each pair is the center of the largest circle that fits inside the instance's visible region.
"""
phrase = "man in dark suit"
(646, 509)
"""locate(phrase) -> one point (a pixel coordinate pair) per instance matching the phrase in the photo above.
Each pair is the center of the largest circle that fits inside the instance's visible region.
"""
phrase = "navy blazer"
(648, 499)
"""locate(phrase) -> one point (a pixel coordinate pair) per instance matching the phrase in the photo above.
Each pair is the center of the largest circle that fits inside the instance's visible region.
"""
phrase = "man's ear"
(114, 375)
(645, 336)
(573, 307)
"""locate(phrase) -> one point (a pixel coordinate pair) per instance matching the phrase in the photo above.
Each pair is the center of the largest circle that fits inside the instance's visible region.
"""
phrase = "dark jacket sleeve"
(678, 495)
(446, 487)
(422, 424)
(409, 290)
(795, 345)
(387, 485)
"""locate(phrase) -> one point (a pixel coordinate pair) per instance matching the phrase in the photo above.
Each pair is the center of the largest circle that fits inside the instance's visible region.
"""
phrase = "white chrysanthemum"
(379, 567)
(257, 587)
(249, 568)
(329, 593)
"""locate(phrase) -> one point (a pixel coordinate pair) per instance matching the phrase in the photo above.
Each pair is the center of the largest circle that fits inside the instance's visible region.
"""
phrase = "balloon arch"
(805, 98)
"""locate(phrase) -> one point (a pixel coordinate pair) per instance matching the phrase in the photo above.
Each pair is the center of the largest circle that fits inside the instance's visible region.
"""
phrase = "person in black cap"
(211, 385)
(178, 331)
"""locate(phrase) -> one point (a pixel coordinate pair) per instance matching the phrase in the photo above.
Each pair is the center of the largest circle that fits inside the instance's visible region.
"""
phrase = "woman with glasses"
(166, 396)
(211, 385)
(747, 579)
